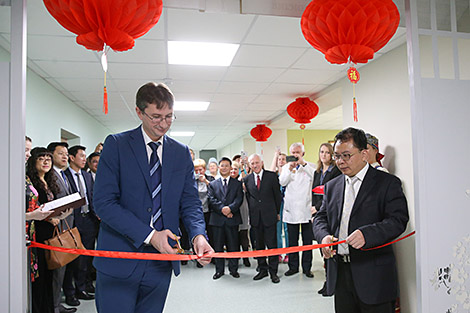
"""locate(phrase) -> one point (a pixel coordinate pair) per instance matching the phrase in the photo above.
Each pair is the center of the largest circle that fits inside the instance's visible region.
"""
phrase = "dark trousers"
(184, 240)
(346, 299)
(266, 236)
(145, 290)
(79, 270)
(307, 238)
(228, 236)
(244, 240)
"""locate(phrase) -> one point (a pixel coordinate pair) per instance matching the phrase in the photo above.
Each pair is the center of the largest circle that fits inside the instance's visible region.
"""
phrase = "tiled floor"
(194, 291)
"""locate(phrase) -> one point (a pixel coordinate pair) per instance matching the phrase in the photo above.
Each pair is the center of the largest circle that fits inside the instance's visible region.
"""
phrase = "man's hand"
(159, 241)
(356, 239)
(54, 221)
(226, 211)
(65, 213)
(313, 210)
(328, 252)
(202, 247)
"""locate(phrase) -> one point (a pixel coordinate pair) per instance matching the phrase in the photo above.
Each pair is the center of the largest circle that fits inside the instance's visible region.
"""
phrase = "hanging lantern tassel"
(104, 64)
(302, 127)
(261, 149)
(354, 77)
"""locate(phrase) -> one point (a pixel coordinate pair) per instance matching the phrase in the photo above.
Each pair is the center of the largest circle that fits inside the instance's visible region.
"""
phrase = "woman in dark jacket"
(326, 171)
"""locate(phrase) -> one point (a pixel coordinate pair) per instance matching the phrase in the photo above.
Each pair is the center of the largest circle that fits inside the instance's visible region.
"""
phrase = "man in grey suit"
(60, 160)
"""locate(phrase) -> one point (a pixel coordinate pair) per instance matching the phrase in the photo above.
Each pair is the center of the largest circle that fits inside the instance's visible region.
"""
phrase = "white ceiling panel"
(311, 77)
(57, 48)
(242, 88)
(188, 72)
(189, 25)
(277, 31)
(137, 71)
(314, 59)
(287, 89)
(253, 74)
(233, 99)
(42, 23)
(194, 86)
(59, 69)
(144, 51)
(265, 56)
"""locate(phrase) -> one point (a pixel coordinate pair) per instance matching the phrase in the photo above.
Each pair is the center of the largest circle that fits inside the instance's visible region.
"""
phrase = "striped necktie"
(156, 186)
(349, 197)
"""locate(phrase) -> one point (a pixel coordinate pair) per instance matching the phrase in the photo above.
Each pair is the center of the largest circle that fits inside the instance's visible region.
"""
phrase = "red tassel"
(355, 109)
(105, 101)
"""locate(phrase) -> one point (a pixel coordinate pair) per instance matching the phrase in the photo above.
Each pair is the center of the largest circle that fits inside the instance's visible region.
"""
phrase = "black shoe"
(184, 262)
(90, 289)
(198, 265)
(291, 272)
(72, 301)
(83, 295)
(217, 275)
(322, 290)
(260, 275)
(235, 274)
(309, 274)
(63, 309)
(275, 279)
(246, 262)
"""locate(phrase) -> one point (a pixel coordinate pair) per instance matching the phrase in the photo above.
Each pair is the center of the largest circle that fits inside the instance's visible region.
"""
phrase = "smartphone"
(291, 158)
(243, 154)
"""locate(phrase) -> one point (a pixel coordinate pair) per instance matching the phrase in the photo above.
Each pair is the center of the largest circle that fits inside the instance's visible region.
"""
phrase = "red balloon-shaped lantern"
(302, 110)
(261, 132)
(114, 23)
(349, 30)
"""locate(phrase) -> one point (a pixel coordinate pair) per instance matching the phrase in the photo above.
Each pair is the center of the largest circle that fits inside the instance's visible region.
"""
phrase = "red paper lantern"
(349, 30)
(114, 23)
(261, 132)
(302, 110)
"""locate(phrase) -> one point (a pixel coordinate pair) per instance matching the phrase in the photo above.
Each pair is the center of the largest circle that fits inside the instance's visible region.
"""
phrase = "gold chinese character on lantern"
(353, 75)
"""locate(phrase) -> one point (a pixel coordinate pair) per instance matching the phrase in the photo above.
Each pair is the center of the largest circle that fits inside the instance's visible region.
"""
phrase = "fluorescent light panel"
(181, 134)
(191, 105)
(201, 53)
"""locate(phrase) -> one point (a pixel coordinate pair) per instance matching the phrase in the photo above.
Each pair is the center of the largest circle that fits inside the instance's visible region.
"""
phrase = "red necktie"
(258, 181)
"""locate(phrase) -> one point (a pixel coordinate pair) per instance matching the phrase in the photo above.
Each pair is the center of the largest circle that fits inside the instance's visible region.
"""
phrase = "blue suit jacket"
(123, 201)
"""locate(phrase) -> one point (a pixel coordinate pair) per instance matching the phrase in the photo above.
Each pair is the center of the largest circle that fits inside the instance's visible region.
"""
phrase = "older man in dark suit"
(264, 197)
(225, 197)
(367, 208)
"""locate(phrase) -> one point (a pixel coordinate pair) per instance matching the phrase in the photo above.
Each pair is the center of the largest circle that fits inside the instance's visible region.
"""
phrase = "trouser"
(228, 236)
(307, 238)
(266, 237)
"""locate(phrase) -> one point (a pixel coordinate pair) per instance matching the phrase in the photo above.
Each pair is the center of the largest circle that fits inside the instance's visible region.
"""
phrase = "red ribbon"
(187, 257)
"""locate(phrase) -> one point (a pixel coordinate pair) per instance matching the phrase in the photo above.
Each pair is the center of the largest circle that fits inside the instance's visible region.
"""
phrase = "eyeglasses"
(44, 160)
(158, 119)
(343, 156)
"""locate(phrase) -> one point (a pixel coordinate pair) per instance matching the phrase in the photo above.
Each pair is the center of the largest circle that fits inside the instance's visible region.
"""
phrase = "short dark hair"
(26, 138)
(225, 159)
(53, 145)
(236, 156)
(74, 150)
(92, 155)
(152, 93)
(357, 136)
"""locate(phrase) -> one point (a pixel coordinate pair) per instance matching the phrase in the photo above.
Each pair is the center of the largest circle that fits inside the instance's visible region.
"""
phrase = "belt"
(344, 258)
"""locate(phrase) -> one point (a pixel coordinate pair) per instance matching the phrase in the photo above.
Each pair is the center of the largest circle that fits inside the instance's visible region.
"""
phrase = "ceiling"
(272, 67)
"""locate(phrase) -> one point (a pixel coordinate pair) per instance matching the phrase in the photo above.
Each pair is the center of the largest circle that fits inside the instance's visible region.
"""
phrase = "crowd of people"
(346, 195)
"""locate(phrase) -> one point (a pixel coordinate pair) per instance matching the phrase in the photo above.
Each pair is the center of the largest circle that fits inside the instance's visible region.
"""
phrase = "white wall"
(383, 98)
(47, 111)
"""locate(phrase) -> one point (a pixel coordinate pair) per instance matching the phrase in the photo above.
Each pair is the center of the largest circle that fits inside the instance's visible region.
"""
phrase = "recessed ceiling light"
(191, 105)
(201, 53)
(181, 134)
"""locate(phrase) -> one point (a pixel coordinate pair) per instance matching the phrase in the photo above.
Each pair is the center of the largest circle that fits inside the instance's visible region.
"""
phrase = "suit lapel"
(136, 141)
(339, 194)
(71, 180)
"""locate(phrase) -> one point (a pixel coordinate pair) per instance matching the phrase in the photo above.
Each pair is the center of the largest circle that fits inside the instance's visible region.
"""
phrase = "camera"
(291, 158)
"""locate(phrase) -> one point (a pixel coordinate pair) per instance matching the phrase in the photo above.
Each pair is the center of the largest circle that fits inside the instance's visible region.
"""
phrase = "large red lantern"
(349, 30)
(114, 23)
(104, 24)
(302, 110)
(261, 132)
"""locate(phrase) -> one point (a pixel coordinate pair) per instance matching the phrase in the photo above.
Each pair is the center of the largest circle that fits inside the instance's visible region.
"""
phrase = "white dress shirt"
(298, 196)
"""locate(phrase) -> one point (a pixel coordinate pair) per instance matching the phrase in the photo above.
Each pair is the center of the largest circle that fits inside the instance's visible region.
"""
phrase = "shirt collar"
(73, 172)
(260, 174)
(147, 139)
(58, 170)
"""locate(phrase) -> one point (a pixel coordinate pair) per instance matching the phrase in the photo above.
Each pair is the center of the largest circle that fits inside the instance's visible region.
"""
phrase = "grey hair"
(297, 144)
(253, 155)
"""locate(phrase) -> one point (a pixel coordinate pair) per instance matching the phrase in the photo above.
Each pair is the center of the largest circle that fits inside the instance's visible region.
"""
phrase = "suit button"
(259, 201)
(149, 210)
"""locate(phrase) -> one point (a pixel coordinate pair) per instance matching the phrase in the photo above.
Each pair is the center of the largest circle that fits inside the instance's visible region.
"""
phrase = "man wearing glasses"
(367, 208)
(144, 184)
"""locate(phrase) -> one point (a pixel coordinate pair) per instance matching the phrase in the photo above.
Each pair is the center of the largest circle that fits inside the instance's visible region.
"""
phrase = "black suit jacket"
(317, 199)
(380, 211)
(89, 189)
(264, 204)
(217, 200)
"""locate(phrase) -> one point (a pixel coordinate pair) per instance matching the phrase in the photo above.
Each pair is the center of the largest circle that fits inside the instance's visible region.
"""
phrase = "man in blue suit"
(144, 184)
